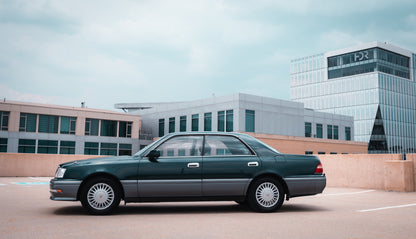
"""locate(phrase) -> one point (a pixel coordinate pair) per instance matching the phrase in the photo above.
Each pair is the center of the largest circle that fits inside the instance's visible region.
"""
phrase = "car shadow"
(291, 208)
(155, 208)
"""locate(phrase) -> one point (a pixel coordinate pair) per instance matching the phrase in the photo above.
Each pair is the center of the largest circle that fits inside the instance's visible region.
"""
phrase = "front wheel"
(100, 196)
(266, 195)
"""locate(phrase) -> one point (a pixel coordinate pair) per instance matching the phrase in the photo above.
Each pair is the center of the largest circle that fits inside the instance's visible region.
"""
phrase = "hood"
(97, 160)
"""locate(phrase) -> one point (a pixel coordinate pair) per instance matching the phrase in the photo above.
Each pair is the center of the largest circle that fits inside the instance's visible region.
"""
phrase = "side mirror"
(153, 155)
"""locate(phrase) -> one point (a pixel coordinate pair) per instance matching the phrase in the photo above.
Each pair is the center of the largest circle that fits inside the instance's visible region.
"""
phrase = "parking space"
(27, 212)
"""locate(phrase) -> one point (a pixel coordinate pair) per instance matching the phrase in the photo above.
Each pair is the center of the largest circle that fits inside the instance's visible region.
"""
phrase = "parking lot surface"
(27, 212)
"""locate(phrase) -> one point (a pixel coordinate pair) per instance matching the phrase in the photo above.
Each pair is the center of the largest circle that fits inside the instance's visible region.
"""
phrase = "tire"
(266, 195)
(100, 196)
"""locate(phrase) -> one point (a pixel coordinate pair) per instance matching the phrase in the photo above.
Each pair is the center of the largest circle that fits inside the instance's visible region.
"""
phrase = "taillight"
(319, 169)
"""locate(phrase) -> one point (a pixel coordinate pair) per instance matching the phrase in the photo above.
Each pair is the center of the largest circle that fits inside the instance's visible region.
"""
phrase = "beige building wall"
(13, 134)
(15, 108)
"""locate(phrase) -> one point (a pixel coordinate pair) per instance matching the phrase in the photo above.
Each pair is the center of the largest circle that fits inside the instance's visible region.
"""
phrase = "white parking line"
(30, 183)
(385, 208)
(40, 178)
(2, 184)
(352, 193)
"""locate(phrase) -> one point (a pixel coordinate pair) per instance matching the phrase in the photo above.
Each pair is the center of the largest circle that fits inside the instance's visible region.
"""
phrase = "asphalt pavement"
(27, 212)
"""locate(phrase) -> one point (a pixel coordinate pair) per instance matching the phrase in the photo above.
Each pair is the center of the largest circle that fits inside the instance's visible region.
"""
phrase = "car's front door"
(228, 166)
(176, 172)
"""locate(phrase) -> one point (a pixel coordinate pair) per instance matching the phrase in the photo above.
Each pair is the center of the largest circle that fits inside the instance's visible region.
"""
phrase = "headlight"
(60, 172)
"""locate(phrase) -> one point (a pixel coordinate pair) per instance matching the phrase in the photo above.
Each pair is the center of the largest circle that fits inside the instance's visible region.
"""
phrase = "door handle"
(253, 164)
(193, 165)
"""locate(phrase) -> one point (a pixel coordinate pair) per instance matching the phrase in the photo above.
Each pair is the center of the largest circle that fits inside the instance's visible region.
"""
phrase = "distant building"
(51, 129)
(373, 82)
(244, 113)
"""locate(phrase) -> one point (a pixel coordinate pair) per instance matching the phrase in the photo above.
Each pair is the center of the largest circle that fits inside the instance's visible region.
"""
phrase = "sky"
(103, 52)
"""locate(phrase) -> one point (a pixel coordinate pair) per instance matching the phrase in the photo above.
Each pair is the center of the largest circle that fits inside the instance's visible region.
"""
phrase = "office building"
(51, 129)
(373, 82)
(244, 113)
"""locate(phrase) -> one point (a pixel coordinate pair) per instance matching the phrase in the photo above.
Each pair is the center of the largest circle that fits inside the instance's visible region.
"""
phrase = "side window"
(225, 145)
(181, 146)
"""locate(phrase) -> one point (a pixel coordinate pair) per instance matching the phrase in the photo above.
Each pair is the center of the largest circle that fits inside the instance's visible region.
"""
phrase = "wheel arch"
(274, 176)
(102, 175)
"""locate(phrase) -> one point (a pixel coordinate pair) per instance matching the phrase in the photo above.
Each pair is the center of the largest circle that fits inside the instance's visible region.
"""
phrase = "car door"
(228, 166)
(176, 172)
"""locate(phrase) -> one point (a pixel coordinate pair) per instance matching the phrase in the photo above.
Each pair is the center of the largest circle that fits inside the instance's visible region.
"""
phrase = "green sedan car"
(191, 167)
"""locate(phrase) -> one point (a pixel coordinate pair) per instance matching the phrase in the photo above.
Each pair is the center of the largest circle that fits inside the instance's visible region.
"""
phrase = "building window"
(91, 148)
(319, 131)
(27, 122)
(161, 127)
(142, 146)
(250, 120)
(221, 121)
(369, 60)
(108, 149)
(4, 120)
(48, 124)
(48, 146)
(27, 146)
(308, 152)
(308, 129)
(229, 123)
(124, 129)
(195, 122)
(329, 131)
(321, 152)
(3, 145)
(109, 128)
(171, 124)
(347, 133)
(207, 121)
(68, 125)
(124, 149)
(333, 153)
(92, 126)
(336, 132)
(67, 147)
(182, 124)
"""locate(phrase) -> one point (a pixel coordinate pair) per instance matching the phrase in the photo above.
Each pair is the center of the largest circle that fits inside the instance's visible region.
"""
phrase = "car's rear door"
(228, 166)
(176, 173)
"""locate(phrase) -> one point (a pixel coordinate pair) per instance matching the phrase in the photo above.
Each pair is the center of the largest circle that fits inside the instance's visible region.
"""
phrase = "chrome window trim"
(168, 137)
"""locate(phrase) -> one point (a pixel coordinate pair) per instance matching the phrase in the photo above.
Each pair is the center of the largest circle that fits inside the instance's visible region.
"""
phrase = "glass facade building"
(374, 82)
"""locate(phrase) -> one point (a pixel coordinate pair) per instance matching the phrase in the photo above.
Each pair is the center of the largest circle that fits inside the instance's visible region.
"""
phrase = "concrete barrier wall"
(412, 158)
(370, 171)
(34, 165)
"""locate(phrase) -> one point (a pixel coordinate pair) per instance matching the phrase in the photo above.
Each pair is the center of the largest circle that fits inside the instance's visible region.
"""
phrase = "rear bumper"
(64, 190)
(304, 186)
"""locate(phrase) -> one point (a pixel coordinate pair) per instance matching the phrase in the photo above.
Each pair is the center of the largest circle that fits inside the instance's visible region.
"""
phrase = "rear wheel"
(266, 195)
(100, 196)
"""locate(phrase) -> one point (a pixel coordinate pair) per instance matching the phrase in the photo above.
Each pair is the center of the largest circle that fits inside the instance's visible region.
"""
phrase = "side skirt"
(183, 199)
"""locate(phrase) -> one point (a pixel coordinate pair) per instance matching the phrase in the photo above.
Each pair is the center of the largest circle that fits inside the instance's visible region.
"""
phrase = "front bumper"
(304, 186)
(64, 190)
